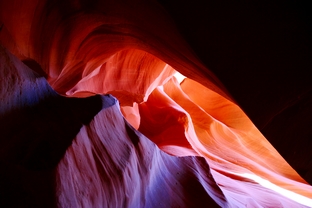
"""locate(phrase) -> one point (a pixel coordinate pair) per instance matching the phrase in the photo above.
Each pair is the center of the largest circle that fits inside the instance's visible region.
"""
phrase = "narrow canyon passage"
(95, 113)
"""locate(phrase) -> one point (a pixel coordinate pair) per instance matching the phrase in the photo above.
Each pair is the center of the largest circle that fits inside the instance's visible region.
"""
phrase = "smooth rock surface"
(82, 152)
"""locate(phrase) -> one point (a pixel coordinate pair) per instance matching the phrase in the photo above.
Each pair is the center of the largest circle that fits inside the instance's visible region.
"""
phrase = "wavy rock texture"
(261, 51)
(81, 152)
(71, 152)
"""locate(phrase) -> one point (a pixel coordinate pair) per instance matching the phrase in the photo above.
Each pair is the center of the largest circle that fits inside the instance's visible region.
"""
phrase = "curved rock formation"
(57, 150)
(71, 152)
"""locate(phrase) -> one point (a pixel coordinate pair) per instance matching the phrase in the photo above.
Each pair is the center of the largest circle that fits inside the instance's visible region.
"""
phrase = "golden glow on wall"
(185, 118)
(136, 54)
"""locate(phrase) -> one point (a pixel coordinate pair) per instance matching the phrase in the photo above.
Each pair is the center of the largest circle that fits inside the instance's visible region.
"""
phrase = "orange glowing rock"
(81, 152)
(234, 148)
(132, 51)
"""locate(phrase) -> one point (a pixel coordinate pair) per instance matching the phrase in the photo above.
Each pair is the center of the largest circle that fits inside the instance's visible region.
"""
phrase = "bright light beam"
(289, 194)
(179, 77)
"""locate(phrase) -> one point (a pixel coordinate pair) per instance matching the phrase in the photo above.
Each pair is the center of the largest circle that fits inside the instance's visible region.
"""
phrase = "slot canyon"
(145, 103)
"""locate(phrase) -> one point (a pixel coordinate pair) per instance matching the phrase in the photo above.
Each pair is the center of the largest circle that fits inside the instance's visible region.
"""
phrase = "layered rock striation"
(65, 142)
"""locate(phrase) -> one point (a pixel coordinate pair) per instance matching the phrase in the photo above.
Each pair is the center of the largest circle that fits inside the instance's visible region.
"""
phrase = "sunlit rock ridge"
(94, 112)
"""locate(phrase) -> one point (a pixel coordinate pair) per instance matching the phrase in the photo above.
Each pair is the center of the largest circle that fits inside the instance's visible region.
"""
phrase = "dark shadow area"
(294, 140)
(33, 140)
(132, 135)
(33, 65)
(198, 196)
(261, 51)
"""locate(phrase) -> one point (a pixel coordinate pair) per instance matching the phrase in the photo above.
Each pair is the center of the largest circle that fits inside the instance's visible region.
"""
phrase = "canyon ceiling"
(94, 112)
